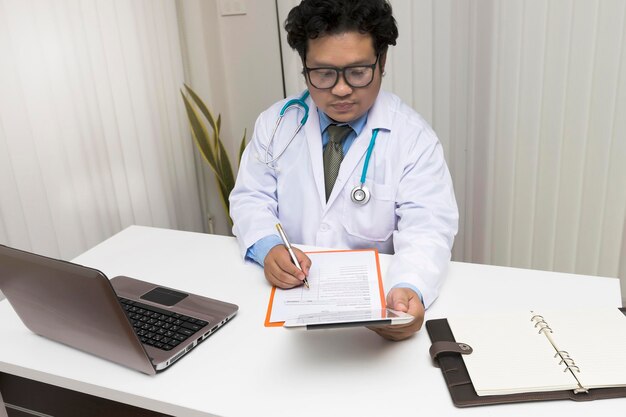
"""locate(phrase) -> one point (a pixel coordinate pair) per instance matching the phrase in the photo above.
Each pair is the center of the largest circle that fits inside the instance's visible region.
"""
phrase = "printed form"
(339, 281)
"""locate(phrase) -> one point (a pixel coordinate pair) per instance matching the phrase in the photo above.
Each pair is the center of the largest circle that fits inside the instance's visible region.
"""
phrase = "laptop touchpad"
(164, 296)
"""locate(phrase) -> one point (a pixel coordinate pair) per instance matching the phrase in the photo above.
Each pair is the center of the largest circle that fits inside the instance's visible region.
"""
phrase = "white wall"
(233, 62)
(91, 132)
(93, 135)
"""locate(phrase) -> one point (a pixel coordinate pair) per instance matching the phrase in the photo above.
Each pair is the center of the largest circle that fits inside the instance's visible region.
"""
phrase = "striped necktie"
(333, 155)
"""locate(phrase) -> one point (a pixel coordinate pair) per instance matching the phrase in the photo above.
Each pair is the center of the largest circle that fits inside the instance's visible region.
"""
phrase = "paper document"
(347, 280)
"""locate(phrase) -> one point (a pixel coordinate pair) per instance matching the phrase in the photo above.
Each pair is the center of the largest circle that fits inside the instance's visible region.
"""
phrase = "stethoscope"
(359, 194)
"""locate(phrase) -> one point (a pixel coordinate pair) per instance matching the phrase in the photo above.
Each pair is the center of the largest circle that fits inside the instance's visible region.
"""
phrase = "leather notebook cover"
(462, 390)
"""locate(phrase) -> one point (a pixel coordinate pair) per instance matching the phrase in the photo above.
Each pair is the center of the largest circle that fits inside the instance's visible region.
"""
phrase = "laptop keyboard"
(160, 328)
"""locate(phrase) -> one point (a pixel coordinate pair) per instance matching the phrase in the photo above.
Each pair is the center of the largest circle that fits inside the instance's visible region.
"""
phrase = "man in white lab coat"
(308, 182)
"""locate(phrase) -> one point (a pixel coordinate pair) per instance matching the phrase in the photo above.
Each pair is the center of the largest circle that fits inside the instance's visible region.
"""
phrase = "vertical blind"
(526, 96)
(92, 132)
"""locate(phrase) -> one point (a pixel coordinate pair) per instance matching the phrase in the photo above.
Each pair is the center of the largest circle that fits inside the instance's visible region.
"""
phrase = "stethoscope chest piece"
(360, 194)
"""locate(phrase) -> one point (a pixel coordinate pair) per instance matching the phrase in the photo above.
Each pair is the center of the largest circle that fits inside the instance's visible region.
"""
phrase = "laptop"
(137, 324)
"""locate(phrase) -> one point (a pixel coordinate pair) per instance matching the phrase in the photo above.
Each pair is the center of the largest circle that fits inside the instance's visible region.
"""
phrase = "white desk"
(246, 369)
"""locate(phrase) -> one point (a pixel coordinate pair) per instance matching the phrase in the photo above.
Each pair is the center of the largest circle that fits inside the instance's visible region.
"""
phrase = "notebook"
(128, 321)
(532, 355)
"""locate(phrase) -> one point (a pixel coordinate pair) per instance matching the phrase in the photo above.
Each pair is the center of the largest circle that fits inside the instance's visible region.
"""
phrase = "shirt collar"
(356, 125)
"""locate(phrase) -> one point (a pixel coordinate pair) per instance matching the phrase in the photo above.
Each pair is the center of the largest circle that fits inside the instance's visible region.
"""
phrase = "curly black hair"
(314, 18)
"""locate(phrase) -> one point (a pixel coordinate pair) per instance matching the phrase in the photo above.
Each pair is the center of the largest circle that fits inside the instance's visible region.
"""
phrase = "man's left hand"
(405, 300)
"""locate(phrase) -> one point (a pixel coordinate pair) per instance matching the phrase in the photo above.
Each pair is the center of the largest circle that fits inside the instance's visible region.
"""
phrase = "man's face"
(343, 103)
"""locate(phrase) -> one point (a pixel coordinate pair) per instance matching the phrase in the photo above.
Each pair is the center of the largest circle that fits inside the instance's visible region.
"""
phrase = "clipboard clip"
(438, 348)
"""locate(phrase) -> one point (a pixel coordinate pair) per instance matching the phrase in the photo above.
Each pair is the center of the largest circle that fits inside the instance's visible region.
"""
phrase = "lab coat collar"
(379, 117)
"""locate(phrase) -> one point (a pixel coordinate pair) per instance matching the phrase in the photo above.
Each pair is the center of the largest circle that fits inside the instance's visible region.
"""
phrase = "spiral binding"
(541, 322)
(566, 359)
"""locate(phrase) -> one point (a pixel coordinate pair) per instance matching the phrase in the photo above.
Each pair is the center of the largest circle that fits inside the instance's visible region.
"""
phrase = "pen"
(283, 236)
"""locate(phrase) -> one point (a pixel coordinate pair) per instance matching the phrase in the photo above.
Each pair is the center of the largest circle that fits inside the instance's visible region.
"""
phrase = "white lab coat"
(412, 212)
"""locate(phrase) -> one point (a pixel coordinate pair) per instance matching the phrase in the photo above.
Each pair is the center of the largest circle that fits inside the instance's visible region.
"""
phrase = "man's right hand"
(280, 270)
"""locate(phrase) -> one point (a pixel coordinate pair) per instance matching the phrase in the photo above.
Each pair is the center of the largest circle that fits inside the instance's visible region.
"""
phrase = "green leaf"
(217, 139)
(242, 146)
(203, 108)
(201, 137)
(226, 169)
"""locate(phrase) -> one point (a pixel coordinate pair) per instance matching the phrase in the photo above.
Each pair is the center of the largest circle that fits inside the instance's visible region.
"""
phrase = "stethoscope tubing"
(361, 189)
(293, 102)
(368, 155)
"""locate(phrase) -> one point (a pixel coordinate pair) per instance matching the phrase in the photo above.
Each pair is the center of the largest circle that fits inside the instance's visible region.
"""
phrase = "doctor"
(323, 184)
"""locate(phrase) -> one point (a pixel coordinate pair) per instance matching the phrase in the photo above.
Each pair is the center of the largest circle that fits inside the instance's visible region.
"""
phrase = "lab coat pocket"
(374, 221)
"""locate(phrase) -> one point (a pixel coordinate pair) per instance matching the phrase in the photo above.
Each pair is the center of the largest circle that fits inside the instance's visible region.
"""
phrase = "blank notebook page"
(510, 355)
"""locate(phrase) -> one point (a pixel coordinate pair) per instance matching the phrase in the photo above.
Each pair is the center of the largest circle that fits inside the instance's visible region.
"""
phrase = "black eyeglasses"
(356, 76)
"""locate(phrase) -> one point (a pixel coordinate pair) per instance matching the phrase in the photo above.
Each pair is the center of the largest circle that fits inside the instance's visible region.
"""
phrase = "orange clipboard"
(381, 291)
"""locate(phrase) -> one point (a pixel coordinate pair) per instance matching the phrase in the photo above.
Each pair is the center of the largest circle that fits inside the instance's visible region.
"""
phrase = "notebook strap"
(438, 348)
